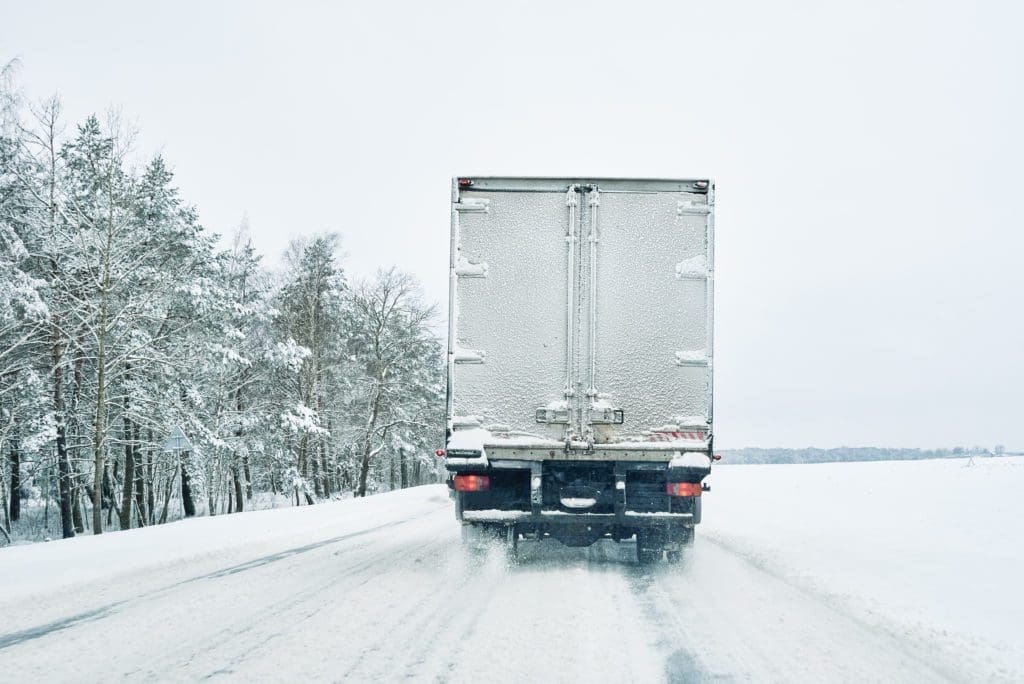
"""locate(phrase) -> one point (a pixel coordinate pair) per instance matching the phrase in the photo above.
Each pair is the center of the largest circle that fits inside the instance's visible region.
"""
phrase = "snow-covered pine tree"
(310, 306)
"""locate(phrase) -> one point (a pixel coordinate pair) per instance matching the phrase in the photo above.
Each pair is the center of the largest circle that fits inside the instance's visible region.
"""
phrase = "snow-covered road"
(380, 589)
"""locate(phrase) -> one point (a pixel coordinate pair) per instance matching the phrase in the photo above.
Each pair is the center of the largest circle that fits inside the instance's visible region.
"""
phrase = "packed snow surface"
(853, 572)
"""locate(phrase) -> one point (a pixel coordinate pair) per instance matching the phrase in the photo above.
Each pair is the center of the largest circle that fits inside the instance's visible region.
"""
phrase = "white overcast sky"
(869, 160)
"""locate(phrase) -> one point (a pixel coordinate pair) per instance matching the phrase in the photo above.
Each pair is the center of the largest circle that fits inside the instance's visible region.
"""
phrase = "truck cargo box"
(580, 330)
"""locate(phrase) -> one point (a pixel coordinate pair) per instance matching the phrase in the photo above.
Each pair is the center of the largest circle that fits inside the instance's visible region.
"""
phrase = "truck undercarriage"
(580, 502)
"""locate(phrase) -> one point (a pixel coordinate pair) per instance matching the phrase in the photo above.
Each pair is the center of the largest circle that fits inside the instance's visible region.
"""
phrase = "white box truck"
(580, 346)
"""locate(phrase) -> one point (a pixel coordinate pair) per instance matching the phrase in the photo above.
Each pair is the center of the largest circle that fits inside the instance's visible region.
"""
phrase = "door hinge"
(467, 269)
(689, 207)
(695, 267)
(692, 358)
(468, 355)
(473, 204)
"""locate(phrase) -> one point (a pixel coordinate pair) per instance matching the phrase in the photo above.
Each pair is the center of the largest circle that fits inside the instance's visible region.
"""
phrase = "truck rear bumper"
(607, 495)
(562, 518)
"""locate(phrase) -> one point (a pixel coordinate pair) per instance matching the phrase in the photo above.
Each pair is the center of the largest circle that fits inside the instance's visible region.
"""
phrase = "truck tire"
(512, 545)
(648, 548)
(476, 539)
(682, 547)
(480, 540)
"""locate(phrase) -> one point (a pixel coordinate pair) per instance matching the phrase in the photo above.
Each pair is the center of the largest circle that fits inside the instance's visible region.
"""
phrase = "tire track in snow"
(322, 579)
(674, 635)
(763, 626)
(437, 605)
(326, 626)
(289, 611)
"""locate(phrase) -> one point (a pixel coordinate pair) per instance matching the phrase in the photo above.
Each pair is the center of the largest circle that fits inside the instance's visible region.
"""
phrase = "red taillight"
(683, 488)
(439, 453)
(472, 483)
(465, 182)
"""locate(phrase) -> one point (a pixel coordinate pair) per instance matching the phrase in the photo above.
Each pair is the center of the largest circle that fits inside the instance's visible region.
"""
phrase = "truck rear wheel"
(512, 544)
(682, 547)
(476, 538)
(648, 548)
(479, 539)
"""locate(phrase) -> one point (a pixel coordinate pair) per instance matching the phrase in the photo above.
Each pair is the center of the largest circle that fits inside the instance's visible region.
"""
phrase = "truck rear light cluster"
(472, 483)
(683, 488)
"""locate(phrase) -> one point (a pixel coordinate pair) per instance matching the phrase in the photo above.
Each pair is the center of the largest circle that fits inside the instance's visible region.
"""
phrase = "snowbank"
(933, 547)
(47, 567)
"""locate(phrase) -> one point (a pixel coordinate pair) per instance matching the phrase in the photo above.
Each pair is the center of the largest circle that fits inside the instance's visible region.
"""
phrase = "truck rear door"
(581, 309)
(649, 335)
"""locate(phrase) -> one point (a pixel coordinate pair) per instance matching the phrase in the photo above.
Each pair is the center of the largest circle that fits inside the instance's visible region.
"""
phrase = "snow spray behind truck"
(580, 359)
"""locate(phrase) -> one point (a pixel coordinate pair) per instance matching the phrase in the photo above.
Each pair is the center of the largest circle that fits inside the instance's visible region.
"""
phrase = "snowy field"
(892, 571)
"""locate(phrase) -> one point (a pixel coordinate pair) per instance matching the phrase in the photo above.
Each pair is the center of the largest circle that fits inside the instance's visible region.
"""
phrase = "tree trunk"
(325, 471)
(63, 466)
(108, 491)
(371, 427)
(239, 499)
(101, 384)
(15, 479)
(403, 472)
(141, 513)
(64, 484)
(99, 443)
(301, 464)
(76, 498)
(248, 476)
(127, 494)
(151, 480)
(329, 461)
(316, 474)
(3, 504)
(3, 498)
(46, 492)
(109, 496)
(364, 471)
(57, 348)
(186, 490)
(167, 495)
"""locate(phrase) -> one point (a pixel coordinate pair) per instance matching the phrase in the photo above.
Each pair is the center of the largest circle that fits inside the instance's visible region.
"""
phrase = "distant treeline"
(812, 455)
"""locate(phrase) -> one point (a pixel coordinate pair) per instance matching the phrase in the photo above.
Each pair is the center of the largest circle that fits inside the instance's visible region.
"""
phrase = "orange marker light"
(682, 488)
(472, 483)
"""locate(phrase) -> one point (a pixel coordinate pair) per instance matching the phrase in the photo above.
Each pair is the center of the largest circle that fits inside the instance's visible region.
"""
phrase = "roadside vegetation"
(122, 318)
